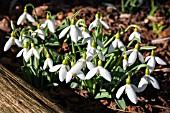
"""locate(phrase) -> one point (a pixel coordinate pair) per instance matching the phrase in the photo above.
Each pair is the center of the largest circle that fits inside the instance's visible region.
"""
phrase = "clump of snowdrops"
(98, 63)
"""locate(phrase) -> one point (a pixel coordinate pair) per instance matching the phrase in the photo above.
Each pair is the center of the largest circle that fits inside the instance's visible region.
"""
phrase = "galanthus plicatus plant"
(97, 62)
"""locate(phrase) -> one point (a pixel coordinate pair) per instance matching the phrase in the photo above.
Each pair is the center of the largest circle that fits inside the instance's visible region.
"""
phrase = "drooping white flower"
(82, 62)
(152, 61)
(12, 40)
(24, 16)
(92, 50)
(39, 33)
(130, 90)
(125, 62)
(49, 23)
(23, 51)
(73, 30)
(134, 53)
(97, 22)
(99, 70)
(72, 73)
(31, 52)
(48, 62)
(147, 79)
(116, 43)
(135, 34)
(64, 68)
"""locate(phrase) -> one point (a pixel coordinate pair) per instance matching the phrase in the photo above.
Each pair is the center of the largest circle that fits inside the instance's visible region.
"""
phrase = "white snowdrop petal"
(43, 25)
(36, 54)
(62, 73)
(86, 35)
(78, 66)
(18, 42)
(30, 18)
(125, 64)
(104, 24)
(50, 62)
(55, 68)
(88, 39)
(41, 34)
(100, 43)
(79, 32)
(45, 64)
(29, 54)
(137, 35)
(143, 84)
(90, 65)
(132, 58)
(68, 77)
(105, 74)
(160, 61)
(154, 82)
(120, 91)
(21, 18)
(131, 36)
(134, 88)
(121, 45)
(111, 47)
(25, 53)
(147, 58)
(141, 57)
(151, 64)
(64, 32)
(131, 94)
(51, 26)
(93, 24)
(100, 55)
(20, 53)
(129, 51)
(8, 44)
(67, 67)
(74, 33)
(81, 75)
(91, 73)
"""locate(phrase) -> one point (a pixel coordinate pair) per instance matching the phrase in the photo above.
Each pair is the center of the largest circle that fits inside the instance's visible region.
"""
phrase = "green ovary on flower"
(84, 56)
(72, 22)
(72, 64)
(128, 81)
(25, 45)
(117, 35)
(65, 62)
(137, 46)
(12, 34)
(147, 71)
(99, 63)
(47, 55)
(93, 44)
(32, 45)
(25, 9)
(152, 53)
(125, 57)
(135, 30)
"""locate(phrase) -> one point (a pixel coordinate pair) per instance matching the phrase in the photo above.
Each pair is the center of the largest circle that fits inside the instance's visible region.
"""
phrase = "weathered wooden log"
(16, 96)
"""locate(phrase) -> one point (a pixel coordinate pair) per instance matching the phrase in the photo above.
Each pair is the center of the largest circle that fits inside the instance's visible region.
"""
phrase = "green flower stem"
(123, 6)
(73, 49)
(109, 41)
(108, 62)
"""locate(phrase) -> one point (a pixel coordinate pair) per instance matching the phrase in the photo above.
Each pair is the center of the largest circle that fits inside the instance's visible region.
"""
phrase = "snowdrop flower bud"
(63, 69)
(135, 34)
(147, 79)
(97, 22)
(23, 51)
(99, 70)
(24, 16)
(152, 61)
(48, 62)
(130, 90)
(49, 23)
(12, 40)
(125, 62)
(32, 51)
(116, 43)
(39, 32)
(134, 53)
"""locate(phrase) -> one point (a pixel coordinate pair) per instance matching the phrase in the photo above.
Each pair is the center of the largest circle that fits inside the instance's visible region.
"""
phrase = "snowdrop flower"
(23, 51)
(147, 79)
(24, 16)
(125, 62)
(116, 43)
(64, 68)
(39, 32)
(135, 34)
(130, 90)
(134, 53)
(12, 40)
(152, 61)
(49, 23)
(82, 63)
(92, 51)
(99, 70)
(73, 30)
(97, 22)
(48, 62)
(72, 73)
(31, 52)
